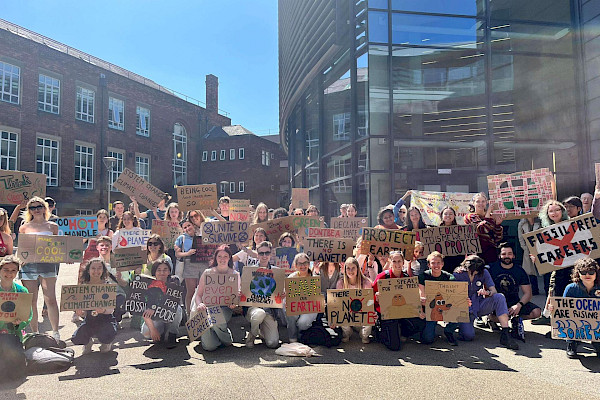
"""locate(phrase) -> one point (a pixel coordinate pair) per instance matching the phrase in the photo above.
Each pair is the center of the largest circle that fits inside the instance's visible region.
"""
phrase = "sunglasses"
(153, 244)
(264, 253)
(587, 272)
(33, 208)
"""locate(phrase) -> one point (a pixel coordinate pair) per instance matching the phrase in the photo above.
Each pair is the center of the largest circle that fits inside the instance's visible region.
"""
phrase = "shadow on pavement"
(8, 389)
(93, 365)
(166, 358)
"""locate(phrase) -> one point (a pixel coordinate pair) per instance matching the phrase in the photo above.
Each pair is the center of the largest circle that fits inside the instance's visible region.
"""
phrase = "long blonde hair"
(260, 205)
(4, 225)
(167, 215)
(27, 216)
(360, 278)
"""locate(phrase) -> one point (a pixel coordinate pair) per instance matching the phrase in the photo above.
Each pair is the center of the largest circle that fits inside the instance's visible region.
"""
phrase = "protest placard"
(300, 198)
(351, 226)
(450, 240)
(597, 171)
(88, 297)
(351, 307)
(295, 224)
(262, 287)
(147, 293)
(128, 258)
(302, 223)
(325, 233)
(15, 306)
(558, 246)
(91, 251)
(204, 252)
(303, 296)
(203, 320)
(328, 249)
(77, 226)
(221, 289)
(575, 318)
(133, 237)
(145, 193)
(168, 231)
(431, 205)
(522, 194)
(399, 297)
(285, 257)
(50, 249)
(197, 197)
(381, 241)
(239, 210)
(225, 232)
(16, 186)
(447, 301)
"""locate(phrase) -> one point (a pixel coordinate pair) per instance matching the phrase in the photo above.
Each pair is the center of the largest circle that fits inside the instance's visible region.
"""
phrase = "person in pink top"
(354, 279)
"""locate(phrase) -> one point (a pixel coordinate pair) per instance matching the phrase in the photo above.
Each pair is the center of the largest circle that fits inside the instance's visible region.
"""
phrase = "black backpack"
(321, 334)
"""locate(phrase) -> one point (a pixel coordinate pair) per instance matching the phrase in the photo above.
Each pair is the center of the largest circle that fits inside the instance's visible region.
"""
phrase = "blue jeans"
(428, 334)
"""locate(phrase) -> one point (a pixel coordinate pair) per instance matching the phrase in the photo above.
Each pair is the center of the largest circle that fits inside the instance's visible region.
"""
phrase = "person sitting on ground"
(354, 279)
(9, 268)
(299, 323)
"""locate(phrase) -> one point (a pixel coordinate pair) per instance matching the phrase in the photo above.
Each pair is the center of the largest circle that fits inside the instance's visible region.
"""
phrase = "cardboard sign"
(522, 194)
(168, 231)
(450, 240)
(225, 232)
(221, 289)
(88, 297)
(262, 287)
(128, 258)
(197, 197)
(447, 301)
(431, 205)
(204, 252)
(91, 251)
(134, 237)
(328, 250)
(302, 223)
(575, 318)
(325, 233)
(382, 241)
(239, 210)
(303, 296)
(50, 249)
(203, 320)
(285, 257)
(15, 306)
(558, 246)
(16, 186)
(351, 226)
(351, 307)
(300, 198)
(399, 297)
(145, 193)
(597, 171)
(77, 226)
(147, 293)
(294, 224)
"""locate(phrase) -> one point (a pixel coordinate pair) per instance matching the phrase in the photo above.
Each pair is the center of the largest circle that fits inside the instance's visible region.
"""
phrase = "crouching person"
(354, 279)
(299, 323)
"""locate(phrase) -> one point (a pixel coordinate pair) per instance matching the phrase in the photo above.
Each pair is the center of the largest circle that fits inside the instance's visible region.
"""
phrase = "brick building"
(62, 111)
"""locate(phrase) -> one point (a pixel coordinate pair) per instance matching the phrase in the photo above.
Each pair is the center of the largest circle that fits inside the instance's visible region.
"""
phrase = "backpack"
(42, 340)
(321, 334)
(12, 361)
(50, 360)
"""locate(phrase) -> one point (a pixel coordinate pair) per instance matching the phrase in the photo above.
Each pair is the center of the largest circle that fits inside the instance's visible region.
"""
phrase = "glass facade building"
(378, 97)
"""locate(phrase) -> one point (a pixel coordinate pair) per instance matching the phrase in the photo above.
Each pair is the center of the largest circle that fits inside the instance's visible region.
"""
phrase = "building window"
(142, 126)
(223, 187)
(8, 151)
(116, 110)
(142, 166)
(205, 156)
(241, 153)
(241, 186)
(117, 168)
(231, 187)
(222, 155)
(232, 154)
(10, 82)
(47, 159)
(341, 126)
(85, 104)
(266, 158)
(48, 94)
(84, 167)
(84, 212)
(213, 155)
(179, 155)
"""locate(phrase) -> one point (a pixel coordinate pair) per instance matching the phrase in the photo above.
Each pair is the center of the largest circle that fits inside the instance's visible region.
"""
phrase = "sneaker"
(507, 341)
(75, 319)
(250, 340)
(480, 323)
(127, 315)
(451, 339)
(571, 349)
(171, 341)
(56, 336)
(105, 347)
(541, 321)
(493, 325)
(87, 348)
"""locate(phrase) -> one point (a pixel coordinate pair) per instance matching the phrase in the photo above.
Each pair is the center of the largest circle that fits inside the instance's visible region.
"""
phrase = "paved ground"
(482, 369)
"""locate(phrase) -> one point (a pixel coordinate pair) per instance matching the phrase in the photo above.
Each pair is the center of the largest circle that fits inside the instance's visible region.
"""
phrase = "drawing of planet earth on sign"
(263, 286)
(8, 306)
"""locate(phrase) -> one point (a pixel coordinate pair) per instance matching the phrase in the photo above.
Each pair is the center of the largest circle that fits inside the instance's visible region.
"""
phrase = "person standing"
(119, 209)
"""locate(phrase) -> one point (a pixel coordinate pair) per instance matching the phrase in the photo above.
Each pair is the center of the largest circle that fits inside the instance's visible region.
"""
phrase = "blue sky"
(175, 43)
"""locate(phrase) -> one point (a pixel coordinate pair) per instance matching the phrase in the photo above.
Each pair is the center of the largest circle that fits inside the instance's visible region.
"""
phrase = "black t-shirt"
(509, 281)
(426, 276)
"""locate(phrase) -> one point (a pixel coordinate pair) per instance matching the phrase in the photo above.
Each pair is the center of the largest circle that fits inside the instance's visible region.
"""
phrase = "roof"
(236, 130)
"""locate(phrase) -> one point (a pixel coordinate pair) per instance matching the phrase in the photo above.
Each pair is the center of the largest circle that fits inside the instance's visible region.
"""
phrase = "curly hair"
(585, 264)
(382, 211)
(121, 225)
(85, 274)
(546, 221)
(11, 259)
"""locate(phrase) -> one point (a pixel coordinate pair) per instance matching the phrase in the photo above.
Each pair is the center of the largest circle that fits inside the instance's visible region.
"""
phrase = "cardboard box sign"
(77, 226)
(145, 193)
(50, 249)
(16, 186)
(15, 306)
(128, 258)
(450, 240)
(147, 293)
(239, 210)
(303, 296)
(134, 237)
(447, 301)
(302, 223)
(203, 320)
(325, 233)
(521, 194)
(351, 227)
(382, 241)
(262, 287)
(351, 307)
(88, 297)
(399, 297)
(558, 246)
(197, 197)
(225, 232)
(285, 257)
(300, 198)
(221, 289)
(204, 252)
(576, 318)
(168, 231)
(431, 205)
(328, 250)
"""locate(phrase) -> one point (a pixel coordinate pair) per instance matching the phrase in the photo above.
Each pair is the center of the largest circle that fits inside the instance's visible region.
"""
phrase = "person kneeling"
(299, 323)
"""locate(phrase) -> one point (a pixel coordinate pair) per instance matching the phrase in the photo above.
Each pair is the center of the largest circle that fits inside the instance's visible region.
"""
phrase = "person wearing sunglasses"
(400, 209)
(156, 251)
(6, 241)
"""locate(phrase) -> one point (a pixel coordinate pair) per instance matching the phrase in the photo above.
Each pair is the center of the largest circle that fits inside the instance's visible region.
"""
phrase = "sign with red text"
(145, 193)
(450, 240)
(399, 297)
(447, 301)
(284, 257)
(132, 237)
(351, 307)
(351, 227)
(325, 232)
(303, 296)
(197, 197)
(262, 287)
(575, 318)
(168, 231)
(381, 241)
(204, 252)
(16, 186)
(431, 205)
(328, 249)
(15, 306)
(221, 289)
(50, 249)
(77, 226)
(295, 224)
(239, 210)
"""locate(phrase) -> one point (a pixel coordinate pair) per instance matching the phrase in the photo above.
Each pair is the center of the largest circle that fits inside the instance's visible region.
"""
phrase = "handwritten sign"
(351, 307)
(351, 226)
(450, 240)
(575, 318)
(203, 320)
(225, 232)
(431, 205)
(381, 241)
(327, 249)
(168, 231)
(295, 224)
(221, 289)
(597, 171)
(16, 186)
(128, 258)
(447, 301)
(302, 223)
(77, 226)
(50, 249)
(197, 197)
(147, 293)
(300, 198)
(558, 246)
(325, 232)
(262, 287)
(204, 252)
(303, 296)
(521, 194)
(132, 184)
(88, 297)
(134, 237)
(399, 297)
(15, 306)
(285, 257)
(239, 210)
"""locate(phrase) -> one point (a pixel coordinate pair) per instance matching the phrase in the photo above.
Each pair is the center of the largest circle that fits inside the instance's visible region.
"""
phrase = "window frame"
(87, 184)
(120, 125)
(3, 76)
(205, 156)
(179, 166)
(138, 163)
(5, 159)
(222, 155)
(80, 115)
(213, 155)
(54, 90)
(42, 166)
(115, 172)
(138, 118)
(232, 154)
(241, 186)
(241, 153)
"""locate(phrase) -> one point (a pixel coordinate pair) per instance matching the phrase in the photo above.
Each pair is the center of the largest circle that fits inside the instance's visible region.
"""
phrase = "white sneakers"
(56, 336)
(105, 348)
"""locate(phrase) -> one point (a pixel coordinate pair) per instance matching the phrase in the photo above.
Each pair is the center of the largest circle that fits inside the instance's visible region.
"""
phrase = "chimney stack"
(212, 93)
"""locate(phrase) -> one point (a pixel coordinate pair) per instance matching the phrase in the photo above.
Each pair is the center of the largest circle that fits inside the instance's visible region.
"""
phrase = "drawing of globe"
(263, 286)
(8, 306)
